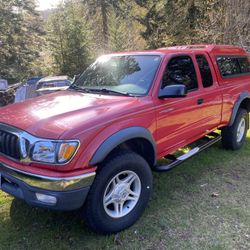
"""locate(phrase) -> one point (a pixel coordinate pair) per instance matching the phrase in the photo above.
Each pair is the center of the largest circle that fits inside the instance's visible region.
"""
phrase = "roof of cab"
(210, 48)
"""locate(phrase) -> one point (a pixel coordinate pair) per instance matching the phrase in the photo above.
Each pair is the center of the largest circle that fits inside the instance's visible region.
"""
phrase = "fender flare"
(119, 137)
(242, 97)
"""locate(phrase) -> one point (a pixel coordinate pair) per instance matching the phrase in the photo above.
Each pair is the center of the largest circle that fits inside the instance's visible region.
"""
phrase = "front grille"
(9, 145)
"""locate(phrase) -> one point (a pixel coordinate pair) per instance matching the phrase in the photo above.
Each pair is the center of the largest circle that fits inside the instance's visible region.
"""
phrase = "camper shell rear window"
(231, 66)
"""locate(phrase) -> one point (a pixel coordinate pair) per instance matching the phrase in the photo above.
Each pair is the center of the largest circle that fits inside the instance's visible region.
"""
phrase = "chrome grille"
(9, 145)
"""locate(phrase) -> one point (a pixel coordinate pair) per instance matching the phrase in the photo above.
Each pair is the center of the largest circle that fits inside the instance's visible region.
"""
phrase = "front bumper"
(69, 193)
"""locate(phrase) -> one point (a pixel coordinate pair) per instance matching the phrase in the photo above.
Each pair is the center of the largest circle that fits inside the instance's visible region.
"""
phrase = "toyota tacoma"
(93, 147)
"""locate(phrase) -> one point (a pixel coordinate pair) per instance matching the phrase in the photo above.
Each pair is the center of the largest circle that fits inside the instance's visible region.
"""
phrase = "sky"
(46, 4)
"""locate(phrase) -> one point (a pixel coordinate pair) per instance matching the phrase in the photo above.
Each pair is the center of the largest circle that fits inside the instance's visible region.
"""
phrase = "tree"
(20, 38)
(124, 32)
(170, 22)
(235, 22)
(69, 39)
(174, 22)
(150, 14)
(100, 11)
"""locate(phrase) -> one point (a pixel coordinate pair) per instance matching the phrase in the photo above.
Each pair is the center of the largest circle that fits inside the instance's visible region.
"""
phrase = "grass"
(182, 214)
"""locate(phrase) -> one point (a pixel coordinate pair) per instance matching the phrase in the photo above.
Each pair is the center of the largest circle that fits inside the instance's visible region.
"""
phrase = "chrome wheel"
(241, 130)
(122, 194)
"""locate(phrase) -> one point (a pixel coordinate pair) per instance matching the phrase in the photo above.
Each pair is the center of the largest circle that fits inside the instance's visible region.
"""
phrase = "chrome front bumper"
(49, 183)
(68, 193)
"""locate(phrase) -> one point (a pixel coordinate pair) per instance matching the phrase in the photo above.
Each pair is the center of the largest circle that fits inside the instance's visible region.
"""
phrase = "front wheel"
(234, 136)
(119, 193)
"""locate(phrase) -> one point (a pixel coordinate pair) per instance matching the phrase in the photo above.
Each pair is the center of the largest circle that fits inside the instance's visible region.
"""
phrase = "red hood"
(51, 115)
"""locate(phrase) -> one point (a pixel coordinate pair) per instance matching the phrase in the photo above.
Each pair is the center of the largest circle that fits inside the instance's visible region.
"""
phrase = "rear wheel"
(234, 136)
(119, 193)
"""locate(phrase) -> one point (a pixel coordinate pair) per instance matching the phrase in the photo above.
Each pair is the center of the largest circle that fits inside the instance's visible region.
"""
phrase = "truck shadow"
(28, 221)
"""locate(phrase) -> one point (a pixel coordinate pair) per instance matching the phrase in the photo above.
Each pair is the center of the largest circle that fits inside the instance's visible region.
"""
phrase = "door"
(181, 119)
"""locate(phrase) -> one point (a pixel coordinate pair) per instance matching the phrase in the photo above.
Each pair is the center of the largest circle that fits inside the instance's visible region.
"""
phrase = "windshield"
(113, 74)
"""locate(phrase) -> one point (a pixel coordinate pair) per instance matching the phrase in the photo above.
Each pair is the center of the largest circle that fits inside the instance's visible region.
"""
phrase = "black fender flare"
(242, 97)
(119, 137)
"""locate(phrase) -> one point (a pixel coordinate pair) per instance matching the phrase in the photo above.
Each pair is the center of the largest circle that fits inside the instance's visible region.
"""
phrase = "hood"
(51, 115)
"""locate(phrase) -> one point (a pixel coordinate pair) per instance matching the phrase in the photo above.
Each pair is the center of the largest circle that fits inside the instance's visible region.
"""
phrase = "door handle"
(200, 101)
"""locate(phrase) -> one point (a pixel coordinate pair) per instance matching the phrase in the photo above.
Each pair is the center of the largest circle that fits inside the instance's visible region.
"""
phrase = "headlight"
(54, 152)
(44, 152)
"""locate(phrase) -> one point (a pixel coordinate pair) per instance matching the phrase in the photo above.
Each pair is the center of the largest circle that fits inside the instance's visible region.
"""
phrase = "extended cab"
(93, 147)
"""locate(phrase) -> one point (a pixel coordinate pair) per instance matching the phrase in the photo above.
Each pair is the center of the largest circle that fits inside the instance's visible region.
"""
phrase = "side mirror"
(173, 91)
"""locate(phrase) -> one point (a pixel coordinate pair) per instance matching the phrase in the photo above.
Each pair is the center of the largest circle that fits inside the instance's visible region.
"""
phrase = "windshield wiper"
(77, 88)
(103, 90)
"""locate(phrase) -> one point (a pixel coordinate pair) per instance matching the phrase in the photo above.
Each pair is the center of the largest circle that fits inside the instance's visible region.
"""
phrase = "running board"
(204, 143)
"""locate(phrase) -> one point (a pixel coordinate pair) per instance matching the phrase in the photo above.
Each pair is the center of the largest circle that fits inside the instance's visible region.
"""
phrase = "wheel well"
(140, 146)
(245, 104)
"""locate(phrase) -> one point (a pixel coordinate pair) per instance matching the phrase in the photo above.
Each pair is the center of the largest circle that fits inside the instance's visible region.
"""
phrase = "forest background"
(66, 39)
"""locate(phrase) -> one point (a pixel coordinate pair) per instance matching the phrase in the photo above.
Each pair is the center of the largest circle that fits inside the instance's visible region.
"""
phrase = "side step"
(173, 161)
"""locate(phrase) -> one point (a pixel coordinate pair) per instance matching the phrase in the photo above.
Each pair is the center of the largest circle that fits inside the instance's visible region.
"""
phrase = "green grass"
(182, 214)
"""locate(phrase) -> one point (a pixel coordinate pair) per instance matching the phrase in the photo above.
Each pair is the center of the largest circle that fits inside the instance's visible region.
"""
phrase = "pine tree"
(124, 32)
(151, 15)
(20, 38)
(68, 37)
(100, 11)
(174, 22)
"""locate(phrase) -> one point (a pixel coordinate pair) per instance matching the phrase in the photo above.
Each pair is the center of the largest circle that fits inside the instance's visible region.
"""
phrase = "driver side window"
(180, 70)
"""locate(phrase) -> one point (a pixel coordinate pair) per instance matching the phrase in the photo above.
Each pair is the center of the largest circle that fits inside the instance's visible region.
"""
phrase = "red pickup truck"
(94, 146)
